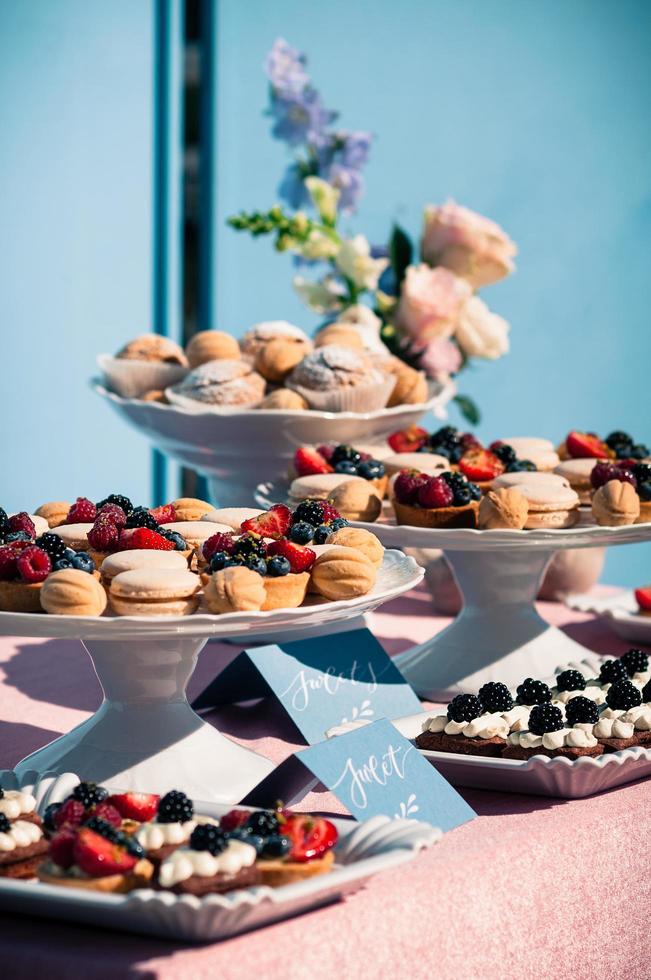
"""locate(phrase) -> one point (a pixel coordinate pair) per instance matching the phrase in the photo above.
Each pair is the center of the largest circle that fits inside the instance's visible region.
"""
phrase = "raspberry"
(22, 522)
(623, 695)
(83, 511)
(62, 847)
(143, 538)
(114, 514)
(604, 472)
(105, 811)
(8, 566)
(218, 542)
(545, 718)
(104, 535)
(406, 486)
(234, 818)
(464, 707)
(72, 813)
(435, 493)
(533, 692)
(33, 564)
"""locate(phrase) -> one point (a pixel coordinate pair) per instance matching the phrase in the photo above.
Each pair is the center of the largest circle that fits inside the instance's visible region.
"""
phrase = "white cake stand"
(232, 449)
(145, 736)
(498, 635)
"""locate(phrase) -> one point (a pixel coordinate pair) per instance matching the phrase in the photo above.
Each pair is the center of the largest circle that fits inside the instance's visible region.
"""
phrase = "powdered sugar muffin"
(334, 378)
(227, 383)
(261, 333)
(146, 363)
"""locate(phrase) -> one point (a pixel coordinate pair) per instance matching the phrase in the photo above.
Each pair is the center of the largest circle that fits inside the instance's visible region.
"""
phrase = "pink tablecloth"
(533, 887)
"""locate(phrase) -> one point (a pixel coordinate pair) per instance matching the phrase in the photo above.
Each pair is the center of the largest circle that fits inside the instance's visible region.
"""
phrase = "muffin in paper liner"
(340, 379)
(222, 385)
(131, 379)
(362, 398)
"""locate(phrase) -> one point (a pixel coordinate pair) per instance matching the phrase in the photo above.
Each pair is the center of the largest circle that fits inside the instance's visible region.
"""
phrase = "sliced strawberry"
(143, 538)
(408, 440)
(308, 462)
(135, 806)
(480, 465)
(643, 598)
(585, 445)
(62, 847)
(98, 857)
(71, 813)
(311, 836)
(300, 558)
(164, 515)
(234, 819)
(274, 523)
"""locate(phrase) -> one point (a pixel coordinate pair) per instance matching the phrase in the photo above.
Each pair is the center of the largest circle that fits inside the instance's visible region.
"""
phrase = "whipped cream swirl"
(21, 834)
(185, 863)
(14, 802)
(577, 737)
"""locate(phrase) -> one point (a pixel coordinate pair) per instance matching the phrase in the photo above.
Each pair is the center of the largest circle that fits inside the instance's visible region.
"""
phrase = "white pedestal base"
(145, 736)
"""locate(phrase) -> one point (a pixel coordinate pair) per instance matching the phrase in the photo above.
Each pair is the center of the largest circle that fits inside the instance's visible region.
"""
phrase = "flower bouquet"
(424, 307)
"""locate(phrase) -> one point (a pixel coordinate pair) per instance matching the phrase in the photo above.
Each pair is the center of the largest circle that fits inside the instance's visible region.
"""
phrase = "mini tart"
(22, 848)
(139, 877)
(285, 591)
(191, 872)
(24, 597)
(442, 742)
(645, 512)
(465, 516)
(279, 872)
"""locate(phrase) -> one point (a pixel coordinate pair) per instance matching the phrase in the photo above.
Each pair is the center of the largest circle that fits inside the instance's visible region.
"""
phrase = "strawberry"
(135, 806)
(71, 814)
(98, 857)
(436, 493)
(583, 445)
(143, 538)
(222, 541)
(234, 819)
(408, 440)
(106, 811)
(480, 465)
(311, 836)
(308, 461)
(407, 484)
(164, 515)
(274, 523)
(643, 598)
(299, 558)
(62, 847)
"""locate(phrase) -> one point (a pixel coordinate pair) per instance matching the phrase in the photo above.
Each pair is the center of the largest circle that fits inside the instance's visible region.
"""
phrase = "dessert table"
(533, 887)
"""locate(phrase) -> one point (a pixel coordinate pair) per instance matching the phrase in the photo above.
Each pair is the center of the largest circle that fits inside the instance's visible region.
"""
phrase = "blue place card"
(321, 682)
(372, 770)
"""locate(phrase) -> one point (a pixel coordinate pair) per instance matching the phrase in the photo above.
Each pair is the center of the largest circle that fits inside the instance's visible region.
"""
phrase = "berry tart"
(467, 728)
(643, 599)
(550, 734)
(166, 823)
(16, 804)
(343, 459)
(96, 856)
(210, 863)
(636, 473)
(616, 727)
(587, 445)
(22, 846)
(448, 500)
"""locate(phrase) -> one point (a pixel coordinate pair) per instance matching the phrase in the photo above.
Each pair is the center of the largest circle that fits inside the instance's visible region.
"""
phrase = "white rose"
(355, 262)
(322, 297)
(481, 333)
(324, 197)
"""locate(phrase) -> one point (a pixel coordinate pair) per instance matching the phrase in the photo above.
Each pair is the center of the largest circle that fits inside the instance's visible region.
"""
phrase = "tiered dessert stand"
(233, 449)
(145, 735)
(498, 635)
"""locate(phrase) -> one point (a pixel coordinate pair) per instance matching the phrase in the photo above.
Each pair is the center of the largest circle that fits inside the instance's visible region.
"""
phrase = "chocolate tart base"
(139, 877)
(567, 752)
(23, 862)
(617, 744)
(465, 516)
(276, 873)
(217, 884)
(441, 742)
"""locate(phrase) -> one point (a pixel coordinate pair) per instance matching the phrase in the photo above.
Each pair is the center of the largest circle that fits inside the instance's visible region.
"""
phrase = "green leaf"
(468, 409)
(400, 252)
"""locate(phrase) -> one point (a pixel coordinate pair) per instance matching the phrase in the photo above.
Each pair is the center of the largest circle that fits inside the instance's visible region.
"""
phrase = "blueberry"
(346, 466)
(638, 451)
(48, 816)
(462, 496)
(371, 469)
(62, 563)
(520, 466)
(344, 453)
(278, 565)
(505, 453)
(179, 542)
(337, 523)
(256, 564)
(644, 491)
(475, 492)
(83, 562)
(322, 533)
(69, 553)
(302, 532)
(221, 559)
(255, 840)
(17, 536)
(276, 846)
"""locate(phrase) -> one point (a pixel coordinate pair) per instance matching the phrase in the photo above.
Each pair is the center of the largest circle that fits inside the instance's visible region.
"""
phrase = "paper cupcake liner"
(194, 405)
(360, 398)
(131, 379)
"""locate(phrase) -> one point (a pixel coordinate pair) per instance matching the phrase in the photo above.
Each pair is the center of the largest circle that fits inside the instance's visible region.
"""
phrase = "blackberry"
(278, 566)
(175, 807)
(310, 511)
(347, 467)
(89, 794)
(618, 438)
(505, 453)
(5, 825)
(646, 692)
(545, 718)
(322, 533)
(140, 517)
(638, 451)
(623, 695)
(343, 452)
(4, 521)
(301, 532)
(644, 490)
(207, 837)
(53, 544)
(533, 692)
(454, 479)
(570, 680)
(612, 671)
(581, 711)
(641, 472)
(179, 542)
(464, 707)
(371, 469)
(276, 846)
(263, 822)
(48, 816)
(635, 661)
(249, 546)
(118, 500)
(495, 697)
(520, 466)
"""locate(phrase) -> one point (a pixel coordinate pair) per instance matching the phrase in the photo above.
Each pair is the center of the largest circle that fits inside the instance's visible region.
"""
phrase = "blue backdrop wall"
(534, 113)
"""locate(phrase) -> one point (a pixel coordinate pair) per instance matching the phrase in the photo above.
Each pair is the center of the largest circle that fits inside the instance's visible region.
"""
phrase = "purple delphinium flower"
(292, 187)
(301, 119)
(285, 69)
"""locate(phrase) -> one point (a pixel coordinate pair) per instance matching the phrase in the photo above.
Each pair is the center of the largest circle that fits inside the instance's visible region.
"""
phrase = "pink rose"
(440, 359)
(467, 243)
(430, 302)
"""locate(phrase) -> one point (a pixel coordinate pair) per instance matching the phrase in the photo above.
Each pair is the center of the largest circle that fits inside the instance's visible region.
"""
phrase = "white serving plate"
(619, 611)
(363, 850)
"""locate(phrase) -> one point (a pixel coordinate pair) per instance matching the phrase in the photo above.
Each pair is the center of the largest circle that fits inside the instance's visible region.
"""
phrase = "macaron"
(154, 592)
(577, 473)
(530, 479)
(74, 536)
(318, 485)
(540, 452)
(231, 516)
(196, 532)
(551, 505)
(430, 463)
(126, 561)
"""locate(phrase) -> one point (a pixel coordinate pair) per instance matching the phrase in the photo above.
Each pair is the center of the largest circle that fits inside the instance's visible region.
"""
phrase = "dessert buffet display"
(177, 868)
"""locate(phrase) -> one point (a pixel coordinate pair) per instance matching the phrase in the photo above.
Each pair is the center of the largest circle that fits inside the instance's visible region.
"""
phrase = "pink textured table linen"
(533, 887)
